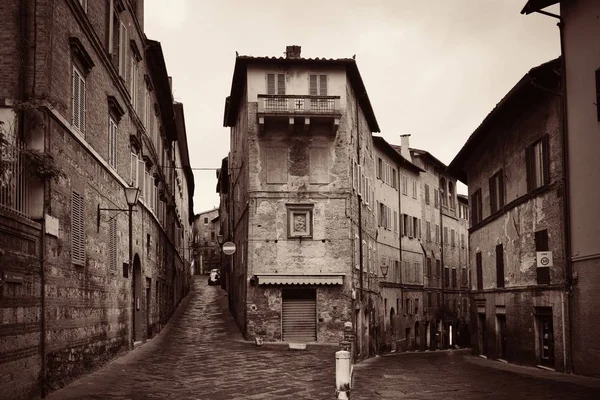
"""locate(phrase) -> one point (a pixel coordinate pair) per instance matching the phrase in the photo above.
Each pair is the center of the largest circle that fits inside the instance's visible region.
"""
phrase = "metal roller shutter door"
(299, 316)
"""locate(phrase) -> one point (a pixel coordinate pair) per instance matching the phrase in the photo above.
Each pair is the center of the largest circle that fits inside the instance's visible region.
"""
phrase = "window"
(446, 276)
(78, 100)
(446, 235)
(429, 299)
(443, 198)
(300, 221)
(462, 240)
(212, 235)
(205, 221)
(464, 276)
(452, 238)
(454, 281)
(537, 164)
(438, 268)
(77, 229)
(451, 194)
(436, 200)
(416, 227)
(428, 231)
(496, 192)
(500, 266)
(479, 266)
(276, 84)
(122, 49)
(133, 175)
(394, 179)
(318, 85)
(417, 272)
(133, 82)
(416, 306)
(476, 207)
(437, 233)
(414, 188)
(395, 222)
(112, 142)
(426, 194)
(541, 244)
(404, 184)
(379, 168)
(428, 266)
(112, 245)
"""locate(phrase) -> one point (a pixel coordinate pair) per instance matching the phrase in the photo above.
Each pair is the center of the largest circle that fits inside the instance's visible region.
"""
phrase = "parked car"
(214, 278)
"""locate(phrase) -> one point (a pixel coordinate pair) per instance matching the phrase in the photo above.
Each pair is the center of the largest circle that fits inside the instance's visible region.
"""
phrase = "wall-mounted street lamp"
(384, 270)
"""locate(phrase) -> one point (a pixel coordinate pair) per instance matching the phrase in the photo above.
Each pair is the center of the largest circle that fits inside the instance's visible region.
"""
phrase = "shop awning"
(284, 279)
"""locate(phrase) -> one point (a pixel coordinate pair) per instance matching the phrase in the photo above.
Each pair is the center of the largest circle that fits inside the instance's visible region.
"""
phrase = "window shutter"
(530, 166)
(479, 271)
(493, 205)
(77, 229)
(112, 244)
(500, 266)
(323, 85)
(82, 103)
(500, 189)
(541, 240)
(395, 221)
(546, 158)
(270, 83)
(141, 170)
(281, 84)
(76, 101)
(401, 224)
(313, 90)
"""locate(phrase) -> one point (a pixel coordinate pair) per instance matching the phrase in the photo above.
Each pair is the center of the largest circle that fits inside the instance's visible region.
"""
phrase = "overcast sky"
(432, 68)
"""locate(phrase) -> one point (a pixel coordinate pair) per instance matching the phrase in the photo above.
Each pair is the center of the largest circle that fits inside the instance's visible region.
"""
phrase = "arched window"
(451, 194)
(443, 191)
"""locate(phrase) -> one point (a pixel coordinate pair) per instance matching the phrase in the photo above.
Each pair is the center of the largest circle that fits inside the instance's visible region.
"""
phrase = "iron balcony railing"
(298, 104)
(14, 188)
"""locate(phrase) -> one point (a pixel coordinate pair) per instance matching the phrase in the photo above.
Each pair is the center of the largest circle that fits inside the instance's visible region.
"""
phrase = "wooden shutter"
(323, 85)
(500, 265)
(82, 103)
(313, 89)
(76, 100)
(270, 83)
(112, 245)
(401, 224)
(500, 189)
(77, 229)
(493, 203)
(281, 84)
(122, 48)
(530, 167)
(395, 221)
(546, 159)
(479, 265)
(140, 178)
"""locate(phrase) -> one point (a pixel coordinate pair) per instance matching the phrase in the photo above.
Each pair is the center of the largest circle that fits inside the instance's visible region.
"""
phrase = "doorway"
(501, 327)
(546, 336)
(299, 314)
(138, 322)
(481, 329)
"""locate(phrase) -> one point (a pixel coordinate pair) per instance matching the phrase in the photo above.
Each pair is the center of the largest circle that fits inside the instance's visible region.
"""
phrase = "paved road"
(201, 355)
(457, 375)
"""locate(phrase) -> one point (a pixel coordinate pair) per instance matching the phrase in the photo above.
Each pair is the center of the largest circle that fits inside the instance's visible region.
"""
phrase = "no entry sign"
(229, 248)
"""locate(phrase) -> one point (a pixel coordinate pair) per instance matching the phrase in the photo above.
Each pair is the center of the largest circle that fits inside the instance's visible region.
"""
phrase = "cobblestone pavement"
(458, 375)
(201, 355)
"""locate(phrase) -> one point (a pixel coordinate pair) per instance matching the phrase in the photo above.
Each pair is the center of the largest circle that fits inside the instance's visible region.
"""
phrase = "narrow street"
(201, 355)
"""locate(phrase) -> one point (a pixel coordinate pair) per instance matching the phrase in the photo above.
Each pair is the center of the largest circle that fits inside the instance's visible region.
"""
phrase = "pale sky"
(432, 68)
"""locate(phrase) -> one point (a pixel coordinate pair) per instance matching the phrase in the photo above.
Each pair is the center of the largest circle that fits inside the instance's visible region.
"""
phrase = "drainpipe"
(567, 362)
(442, 259)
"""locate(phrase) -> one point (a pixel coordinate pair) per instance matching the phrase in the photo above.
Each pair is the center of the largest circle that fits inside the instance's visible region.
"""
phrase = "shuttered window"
(133, 175)
(428, 231)
(323, 85)
(317, 85)
(122, 49)
(436, 198)
(437, 233)
(496, 192)
(133, 82)
(479, 266)
(452, 238)
(500, 266)
(112, 142)
(438, 268)
(141, 181)
(281, 84)
(77, 229)
(78, 100)
(538, 164)
(541, 244)
(454, 278)
(426, 193)
(476, 207)
(112, 245)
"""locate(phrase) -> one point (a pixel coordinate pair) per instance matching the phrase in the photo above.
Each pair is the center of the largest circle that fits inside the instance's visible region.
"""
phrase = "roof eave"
(536, 5)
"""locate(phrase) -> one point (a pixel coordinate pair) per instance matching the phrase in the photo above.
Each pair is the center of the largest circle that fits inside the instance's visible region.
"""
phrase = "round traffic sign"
(229, 248)
(544, 260)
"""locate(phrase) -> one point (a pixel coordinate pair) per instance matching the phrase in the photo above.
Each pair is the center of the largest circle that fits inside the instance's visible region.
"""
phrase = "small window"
(500, 266)
(317, 85)
(428, 230)
(452, 238)
(78, 100)
(414, 188)
(538, 164)
(437, 233)
(123, 44)
(454, 281)
(205, 221)
(77, 229)
(436, 198)
(496, 192)
(476, 207)
(426, 193)
(479, 266)
(394, 179)
(133, 82)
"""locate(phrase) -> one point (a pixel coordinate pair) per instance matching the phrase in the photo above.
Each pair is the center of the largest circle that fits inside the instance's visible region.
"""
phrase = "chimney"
(292, 51)
(404, 151)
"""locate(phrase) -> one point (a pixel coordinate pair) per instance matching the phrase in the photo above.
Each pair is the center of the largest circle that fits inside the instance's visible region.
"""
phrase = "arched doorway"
(138, 300)
(417, 336)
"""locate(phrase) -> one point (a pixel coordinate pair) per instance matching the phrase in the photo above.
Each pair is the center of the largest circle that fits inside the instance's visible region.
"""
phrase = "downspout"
(360, 238)
(567, 360)
(442, 260)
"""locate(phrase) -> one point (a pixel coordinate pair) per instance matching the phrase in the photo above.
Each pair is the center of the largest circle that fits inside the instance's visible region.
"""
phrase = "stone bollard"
(342, 374)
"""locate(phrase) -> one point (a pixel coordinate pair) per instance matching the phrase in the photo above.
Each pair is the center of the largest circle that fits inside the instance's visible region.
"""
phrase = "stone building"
(578, 28)
(205, 230)
(86, 110)
(301, 200)
(513, 165)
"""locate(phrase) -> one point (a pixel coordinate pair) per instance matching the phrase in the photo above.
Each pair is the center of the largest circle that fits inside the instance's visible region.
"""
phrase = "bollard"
(342, 374)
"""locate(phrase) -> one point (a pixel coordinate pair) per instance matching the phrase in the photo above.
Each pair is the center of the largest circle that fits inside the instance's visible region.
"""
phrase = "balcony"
(301, 109)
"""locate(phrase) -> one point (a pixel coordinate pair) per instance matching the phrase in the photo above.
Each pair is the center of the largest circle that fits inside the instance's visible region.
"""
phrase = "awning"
(283, 279)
